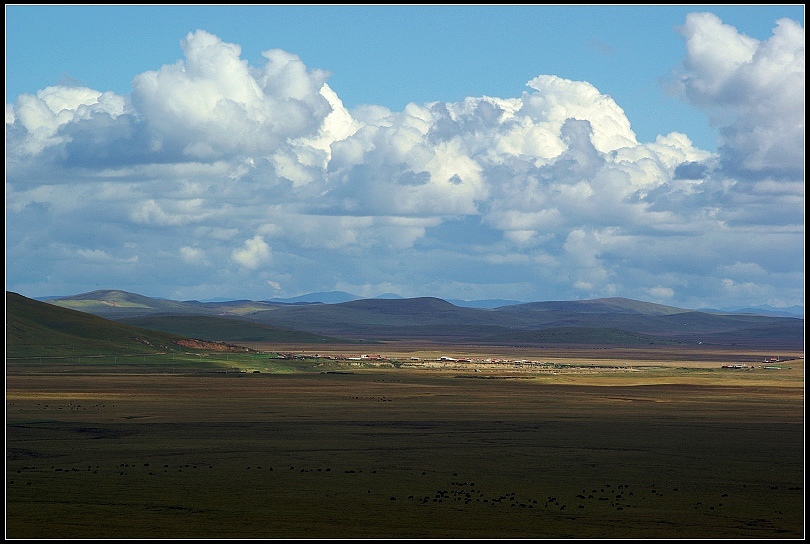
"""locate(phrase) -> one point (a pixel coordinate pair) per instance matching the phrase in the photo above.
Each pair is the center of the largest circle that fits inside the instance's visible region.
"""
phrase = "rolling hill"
(39, 329)
(114, 304)
(608, 321)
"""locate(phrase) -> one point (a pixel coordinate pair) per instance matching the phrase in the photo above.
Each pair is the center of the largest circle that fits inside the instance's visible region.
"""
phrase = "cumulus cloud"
(254, 253)
(41, 117)
(212, 160)
(753, 91)
(192, 255)
(213, 104)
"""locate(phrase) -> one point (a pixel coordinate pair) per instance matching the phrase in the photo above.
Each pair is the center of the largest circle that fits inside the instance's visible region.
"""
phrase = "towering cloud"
(754, 91)
(212, 162)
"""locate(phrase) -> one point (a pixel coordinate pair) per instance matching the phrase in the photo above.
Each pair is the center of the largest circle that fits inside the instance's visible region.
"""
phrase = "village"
(479, 364)
(771, 363)
(444, 361)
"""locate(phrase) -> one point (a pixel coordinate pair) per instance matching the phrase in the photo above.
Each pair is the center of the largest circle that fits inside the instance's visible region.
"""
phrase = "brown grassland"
(596, 443)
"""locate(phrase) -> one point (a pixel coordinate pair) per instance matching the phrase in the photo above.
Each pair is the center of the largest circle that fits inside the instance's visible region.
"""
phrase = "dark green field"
(148, 448)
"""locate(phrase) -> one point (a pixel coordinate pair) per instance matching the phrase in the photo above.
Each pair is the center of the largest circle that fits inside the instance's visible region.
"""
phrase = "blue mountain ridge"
(336, 297)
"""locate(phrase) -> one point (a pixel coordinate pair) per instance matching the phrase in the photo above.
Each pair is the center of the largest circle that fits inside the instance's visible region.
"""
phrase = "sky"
(472, 152)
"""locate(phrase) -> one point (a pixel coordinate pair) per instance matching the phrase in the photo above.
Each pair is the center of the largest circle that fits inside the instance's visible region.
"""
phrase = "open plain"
(395, 443)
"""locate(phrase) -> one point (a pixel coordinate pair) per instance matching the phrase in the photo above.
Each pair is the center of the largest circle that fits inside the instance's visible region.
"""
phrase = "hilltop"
(608, 321)
(39, 329)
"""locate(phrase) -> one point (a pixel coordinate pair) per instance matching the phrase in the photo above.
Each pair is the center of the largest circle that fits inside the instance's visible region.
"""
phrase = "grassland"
(604, 443)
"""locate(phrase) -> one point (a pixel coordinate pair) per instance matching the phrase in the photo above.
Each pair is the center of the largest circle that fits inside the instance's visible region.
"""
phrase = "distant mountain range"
(606, 321)
(335, 297)
(790, 311)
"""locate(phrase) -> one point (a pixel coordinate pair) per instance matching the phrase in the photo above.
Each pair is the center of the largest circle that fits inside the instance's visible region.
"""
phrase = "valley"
(121, 432)
(304, 450)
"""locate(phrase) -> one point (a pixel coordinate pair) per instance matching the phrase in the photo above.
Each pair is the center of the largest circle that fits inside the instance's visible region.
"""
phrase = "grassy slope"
(35, 329)
(115, 304)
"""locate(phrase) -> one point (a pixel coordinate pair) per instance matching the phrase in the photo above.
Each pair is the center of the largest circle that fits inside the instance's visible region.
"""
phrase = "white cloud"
(180, 212)
(550, 187)
(274, 284)
(660, 292)
(734, 289)
(215, 104)
(94, 255)
(558, 100)
(254, 253)
(101, 256)
(192, 255)
(754, 91)
(744, 269)
(41, 115)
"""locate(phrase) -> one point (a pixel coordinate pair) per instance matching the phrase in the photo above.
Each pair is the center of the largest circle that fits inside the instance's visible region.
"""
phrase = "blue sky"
(471, 152)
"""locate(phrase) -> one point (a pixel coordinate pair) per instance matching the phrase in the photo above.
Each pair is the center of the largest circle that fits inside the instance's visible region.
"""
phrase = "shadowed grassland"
(305, 450)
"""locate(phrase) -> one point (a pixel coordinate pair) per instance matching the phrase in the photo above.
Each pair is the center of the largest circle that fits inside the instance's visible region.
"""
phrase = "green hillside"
(113, 303)
(38, 329)
(118, 305)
